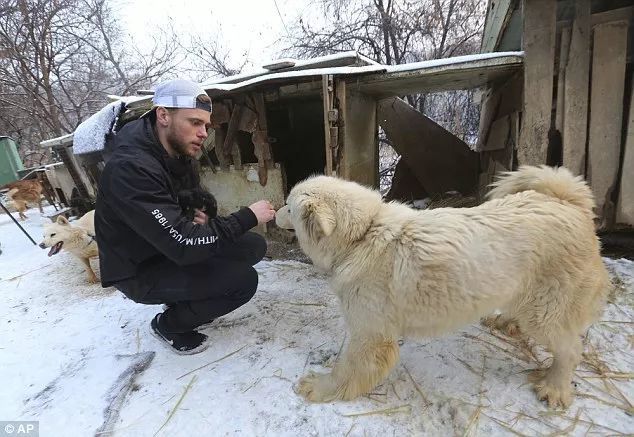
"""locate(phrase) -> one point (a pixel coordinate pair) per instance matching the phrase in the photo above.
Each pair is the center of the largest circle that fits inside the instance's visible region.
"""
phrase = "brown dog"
(21, 193)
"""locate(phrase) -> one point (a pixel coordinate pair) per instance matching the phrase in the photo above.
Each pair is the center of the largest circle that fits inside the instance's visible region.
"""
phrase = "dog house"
(74, 179)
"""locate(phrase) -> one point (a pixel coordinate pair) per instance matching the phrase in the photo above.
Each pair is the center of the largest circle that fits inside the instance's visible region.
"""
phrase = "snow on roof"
(302, 69)
(451, 61)
(343, 59)
(64, 140)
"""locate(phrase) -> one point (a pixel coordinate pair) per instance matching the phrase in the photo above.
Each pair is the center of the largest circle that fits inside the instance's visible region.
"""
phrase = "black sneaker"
(186, 343)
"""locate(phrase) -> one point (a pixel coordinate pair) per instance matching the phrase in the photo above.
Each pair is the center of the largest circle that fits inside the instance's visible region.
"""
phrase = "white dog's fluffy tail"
(557, 182)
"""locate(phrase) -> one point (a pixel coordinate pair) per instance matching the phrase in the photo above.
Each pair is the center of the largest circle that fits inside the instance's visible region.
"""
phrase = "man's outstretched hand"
(263, 210)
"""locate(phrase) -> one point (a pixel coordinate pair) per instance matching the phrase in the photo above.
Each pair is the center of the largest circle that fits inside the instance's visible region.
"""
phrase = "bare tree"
(395, 32)
(59, 59)
(207, 58)
(131, 68)
(390, 31)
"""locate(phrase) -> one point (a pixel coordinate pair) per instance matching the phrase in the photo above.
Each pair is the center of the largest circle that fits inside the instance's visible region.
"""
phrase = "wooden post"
(327, 91)
(606, 114)
(220, 134)
(575, 117)
(625, 208)
(359, 161)
(232, 128)
(260, 138)
(338, 149)
(539, 52)
(564, 50)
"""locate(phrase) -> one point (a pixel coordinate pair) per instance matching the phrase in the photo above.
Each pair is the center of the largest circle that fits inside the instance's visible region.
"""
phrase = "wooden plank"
(626, 13)
(440, 161)
(341, 91)
(625, 207)
(359, 161)
(326, 86)
(498, 135)
(490, 103)
(576, 82)
(232, 128)
(260, 139)
(539, 52)
(606, 113)
(500, 100)
(438, 75)
(564, 49)
(498, 14)
(220, 135)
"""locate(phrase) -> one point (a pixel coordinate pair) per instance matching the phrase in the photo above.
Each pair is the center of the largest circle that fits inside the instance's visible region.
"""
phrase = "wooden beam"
(498, 135)
(606, 113)
(564, 50)
(498, 14)
(359, 160)
(440, 75)
(626, 13)
(232, 128)
(576, 91)
(341, 91)
(625, 207)
(260, 139)
(440, 161)
(220, 134)
(539, 53)
(327, 93)
(499, 100)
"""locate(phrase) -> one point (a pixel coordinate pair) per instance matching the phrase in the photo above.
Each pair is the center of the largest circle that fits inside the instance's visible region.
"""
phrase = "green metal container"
(10, 162)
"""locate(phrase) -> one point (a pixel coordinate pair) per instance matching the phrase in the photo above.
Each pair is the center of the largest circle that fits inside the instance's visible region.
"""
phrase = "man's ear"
(162, 116)
(319, 218)
(61, 220)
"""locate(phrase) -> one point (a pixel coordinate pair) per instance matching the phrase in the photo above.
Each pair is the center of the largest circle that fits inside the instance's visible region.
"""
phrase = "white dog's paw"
(92, 279)
(317, 387)
(557, 395)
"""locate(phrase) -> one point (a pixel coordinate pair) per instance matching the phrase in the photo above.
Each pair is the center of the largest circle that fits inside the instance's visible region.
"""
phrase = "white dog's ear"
(61, 220)
(319, 218)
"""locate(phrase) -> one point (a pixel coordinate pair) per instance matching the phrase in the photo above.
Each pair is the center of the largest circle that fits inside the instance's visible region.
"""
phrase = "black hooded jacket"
(138, 220)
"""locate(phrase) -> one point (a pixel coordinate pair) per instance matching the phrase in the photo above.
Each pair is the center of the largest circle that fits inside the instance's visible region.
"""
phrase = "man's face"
(187, 130)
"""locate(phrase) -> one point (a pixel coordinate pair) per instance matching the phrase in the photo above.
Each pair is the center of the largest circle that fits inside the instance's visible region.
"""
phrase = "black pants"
(198, 293)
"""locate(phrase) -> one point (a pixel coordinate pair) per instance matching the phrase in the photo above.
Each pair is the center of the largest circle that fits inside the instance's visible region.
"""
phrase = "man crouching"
(148, 248)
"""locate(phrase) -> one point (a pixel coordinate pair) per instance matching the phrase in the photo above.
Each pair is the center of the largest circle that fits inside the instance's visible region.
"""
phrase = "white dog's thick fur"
(531, 251)
(77, 238)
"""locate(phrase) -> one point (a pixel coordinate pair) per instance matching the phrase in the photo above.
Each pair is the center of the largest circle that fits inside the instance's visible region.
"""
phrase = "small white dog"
(530, 251)
(77, 238)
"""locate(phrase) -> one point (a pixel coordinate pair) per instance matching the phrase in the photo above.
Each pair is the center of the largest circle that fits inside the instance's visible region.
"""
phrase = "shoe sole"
(194, 351)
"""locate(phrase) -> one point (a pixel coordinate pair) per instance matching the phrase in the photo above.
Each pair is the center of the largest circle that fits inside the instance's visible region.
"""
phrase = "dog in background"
(530, 251)
(77, 238)
(21, 193)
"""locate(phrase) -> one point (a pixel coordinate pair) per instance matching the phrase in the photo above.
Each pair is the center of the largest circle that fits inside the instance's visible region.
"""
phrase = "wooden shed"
(572, 105)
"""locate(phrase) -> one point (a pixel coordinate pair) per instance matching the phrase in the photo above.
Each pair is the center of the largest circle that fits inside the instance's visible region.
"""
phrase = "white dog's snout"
(283, 218)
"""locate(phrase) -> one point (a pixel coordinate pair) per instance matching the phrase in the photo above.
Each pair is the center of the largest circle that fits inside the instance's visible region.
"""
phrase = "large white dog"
(531, 251)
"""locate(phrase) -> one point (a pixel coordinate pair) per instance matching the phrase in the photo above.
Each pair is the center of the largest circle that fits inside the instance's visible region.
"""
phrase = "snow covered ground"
(68, 348)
